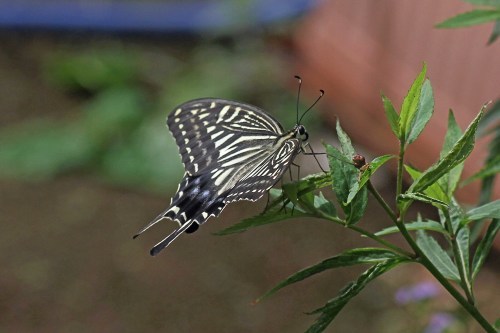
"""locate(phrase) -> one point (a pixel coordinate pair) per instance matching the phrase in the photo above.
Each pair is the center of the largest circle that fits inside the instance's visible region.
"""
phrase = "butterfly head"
(300, 132)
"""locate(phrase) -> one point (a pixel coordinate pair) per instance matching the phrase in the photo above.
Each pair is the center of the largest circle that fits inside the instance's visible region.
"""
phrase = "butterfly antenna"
(298, 96)
(321, 94)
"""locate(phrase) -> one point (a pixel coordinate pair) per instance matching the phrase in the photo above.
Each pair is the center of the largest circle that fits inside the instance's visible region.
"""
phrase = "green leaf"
(492, 168)
(347, 258)
(345, 142)
(412, 226)
(335, 156)
(424, 112)
(304, 199)
(324, 206)
(495, 33)
(490, 210)
(474, 17)
(410, 106)
(463, 243)
(484, 247)
(300, 192)
(278, 210)
(450, 180)
(330, 310)
(434, 191)
(367, 173)
(437, 256)
(494, 3)
(455, 156)
(497, 323)
(345, 177)
(455, 213)
(423, 198)
(317, 181)
(392, 115)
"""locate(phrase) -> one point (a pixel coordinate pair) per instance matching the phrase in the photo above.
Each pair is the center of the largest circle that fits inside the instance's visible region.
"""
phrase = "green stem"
(399, 180)
(469, 307)
(381, 201)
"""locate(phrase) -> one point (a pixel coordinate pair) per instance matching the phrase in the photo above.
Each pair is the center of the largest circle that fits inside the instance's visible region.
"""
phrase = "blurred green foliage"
(119, 132)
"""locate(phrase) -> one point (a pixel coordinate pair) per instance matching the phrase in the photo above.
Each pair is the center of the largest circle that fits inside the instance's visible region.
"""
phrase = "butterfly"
(231, 151)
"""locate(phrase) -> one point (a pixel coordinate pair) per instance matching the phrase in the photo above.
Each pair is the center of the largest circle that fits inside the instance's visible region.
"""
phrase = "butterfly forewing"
(208, 129)
(231, 151)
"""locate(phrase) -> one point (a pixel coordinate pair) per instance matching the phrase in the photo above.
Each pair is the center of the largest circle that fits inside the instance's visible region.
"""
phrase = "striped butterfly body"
(231, 151)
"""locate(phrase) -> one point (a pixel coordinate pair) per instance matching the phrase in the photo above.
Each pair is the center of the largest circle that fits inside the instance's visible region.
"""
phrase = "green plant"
(454, 266)
(490, 13)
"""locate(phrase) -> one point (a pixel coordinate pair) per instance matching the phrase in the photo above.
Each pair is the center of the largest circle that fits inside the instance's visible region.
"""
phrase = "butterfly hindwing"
(266, 174)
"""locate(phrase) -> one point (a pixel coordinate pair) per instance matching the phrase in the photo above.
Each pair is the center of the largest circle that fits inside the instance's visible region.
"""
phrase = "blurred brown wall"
(355, 50)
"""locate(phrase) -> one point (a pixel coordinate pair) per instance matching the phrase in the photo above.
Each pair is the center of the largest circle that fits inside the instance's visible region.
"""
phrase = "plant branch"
(399, 180)
(381, 201)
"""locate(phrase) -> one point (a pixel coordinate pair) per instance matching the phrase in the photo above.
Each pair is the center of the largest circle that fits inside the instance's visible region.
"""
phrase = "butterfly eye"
(302, 131)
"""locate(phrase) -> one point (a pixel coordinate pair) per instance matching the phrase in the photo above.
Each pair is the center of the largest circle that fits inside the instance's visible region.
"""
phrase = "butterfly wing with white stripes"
(230, 151)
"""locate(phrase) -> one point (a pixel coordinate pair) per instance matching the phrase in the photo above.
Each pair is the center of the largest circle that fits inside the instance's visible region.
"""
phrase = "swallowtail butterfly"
(231, 151)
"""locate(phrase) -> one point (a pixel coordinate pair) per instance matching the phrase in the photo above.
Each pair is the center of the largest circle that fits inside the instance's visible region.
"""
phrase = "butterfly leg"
(267, 203)
(314, 155)
(298, 170)
(283, 207)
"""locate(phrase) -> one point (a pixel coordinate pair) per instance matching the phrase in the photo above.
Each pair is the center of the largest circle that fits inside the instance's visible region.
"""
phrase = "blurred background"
(86, 160)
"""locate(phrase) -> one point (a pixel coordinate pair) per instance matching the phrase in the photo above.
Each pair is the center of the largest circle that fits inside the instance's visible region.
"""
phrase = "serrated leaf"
(450, 180)
(412, 226)
(473, 17)
(455, 156)
(347, 258)
(423, 113)
(269, 216)
(367, 173)
(324, 206)
(494, 33)
(330, 310)
(422, 198)
(490, 210)
(463, 245)
(292, 192)
(345, 141)
(437, 256)
(410, 106)
(345, 178)
(456, 213)
(434, 191)
(391, 115)
(484, 2)
(492, 168)
(484, 247)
